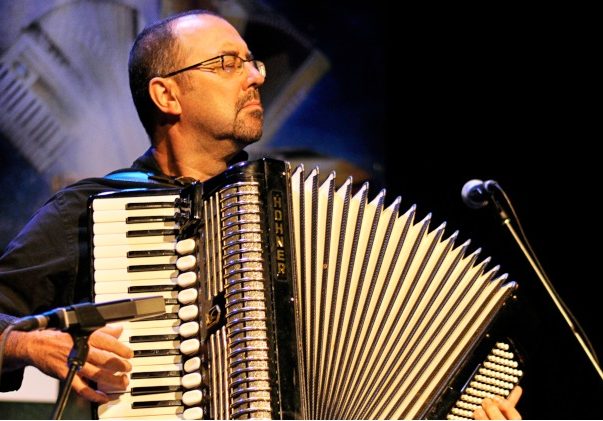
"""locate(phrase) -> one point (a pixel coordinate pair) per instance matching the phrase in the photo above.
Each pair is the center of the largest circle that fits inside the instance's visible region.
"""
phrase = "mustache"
(253, 95)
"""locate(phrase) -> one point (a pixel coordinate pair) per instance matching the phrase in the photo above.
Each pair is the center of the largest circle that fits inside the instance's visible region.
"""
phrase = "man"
(196, 86)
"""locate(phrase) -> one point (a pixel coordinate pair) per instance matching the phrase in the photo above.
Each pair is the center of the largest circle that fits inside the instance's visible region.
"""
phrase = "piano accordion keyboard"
(136, 254)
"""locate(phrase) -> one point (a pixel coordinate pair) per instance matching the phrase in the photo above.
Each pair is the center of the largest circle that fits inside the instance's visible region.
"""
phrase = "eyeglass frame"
(260, 66)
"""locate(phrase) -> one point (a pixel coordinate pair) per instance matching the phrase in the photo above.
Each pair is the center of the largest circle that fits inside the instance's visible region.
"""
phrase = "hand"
(499, 408)
(48, 351)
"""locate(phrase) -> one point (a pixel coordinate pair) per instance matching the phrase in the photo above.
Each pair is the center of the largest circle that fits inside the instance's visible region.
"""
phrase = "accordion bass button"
(187, 296)
(188, 313)
(187, 279)
(192, 365)
(192, 397)
(185, 246)
(186, 262)
(188, 329)
(193, 414)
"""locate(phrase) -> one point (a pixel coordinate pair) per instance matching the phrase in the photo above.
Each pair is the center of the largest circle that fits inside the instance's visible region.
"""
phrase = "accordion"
(290, 297)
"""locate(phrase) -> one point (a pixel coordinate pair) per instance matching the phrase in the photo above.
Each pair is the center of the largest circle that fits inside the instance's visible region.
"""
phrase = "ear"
(164, 93)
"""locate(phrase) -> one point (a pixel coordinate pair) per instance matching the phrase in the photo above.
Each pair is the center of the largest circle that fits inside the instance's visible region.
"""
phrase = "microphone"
(89, 316)
(476, 193)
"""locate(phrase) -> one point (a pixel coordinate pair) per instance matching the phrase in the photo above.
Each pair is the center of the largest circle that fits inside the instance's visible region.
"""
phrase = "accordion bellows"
(316, 302)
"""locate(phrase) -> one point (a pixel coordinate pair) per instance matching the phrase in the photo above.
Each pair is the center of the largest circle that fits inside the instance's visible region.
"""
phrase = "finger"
(507, 408)
(492, 410)
(479, 414)
(112, 329)
(111, 379)
(514, 396)
(87, 392)
(105, 339)
(108, 361)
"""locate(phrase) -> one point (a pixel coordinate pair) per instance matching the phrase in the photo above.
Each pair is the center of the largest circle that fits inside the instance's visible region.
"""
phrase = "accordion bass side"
(289, 297)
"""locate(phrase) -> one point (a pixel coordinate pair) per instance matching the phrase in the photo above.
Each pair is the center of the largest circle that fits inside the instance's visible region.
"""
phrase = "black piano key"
(149, 205)
(151, 268)
(164, 316)
(148, 219)
(153, 338)
(152, 288)
(150, 233)
(150, 390)
(155, 352)
(150, 253)
(156, 374)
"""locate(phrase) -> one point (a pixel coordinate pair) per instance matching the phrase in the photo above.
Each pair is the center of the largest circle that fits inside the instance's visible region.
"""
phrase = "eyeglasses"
(229, 63)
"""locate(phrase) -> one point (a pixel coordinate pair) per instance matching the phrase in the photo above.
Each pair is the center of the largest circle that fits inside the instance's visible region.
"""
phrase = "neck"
(195, 160)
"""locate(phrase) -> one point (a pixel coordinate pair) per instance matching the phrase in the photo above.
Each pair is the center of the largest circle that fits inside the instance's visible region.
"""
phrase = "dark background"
(452, 94)
(428, 98)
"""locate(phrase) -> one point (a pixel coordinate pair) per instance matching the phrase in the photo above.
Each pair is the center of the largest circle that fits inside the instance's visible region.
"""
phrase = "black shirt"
(47, 265)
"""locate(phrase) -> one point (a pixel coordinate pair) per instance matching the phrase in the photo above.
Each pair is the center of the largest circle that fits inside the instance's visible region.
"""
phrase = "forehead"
(207, 34)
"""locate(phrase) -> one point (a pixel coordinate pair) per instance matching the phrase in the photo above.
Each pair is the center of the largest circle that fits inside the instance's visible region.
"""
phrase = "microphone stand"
(90, 320)
(525, 248)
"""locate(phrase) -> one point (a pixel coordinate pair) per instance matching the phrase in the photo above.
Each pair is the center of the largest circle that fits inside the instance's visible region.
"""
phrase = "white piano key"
(119, 203)
(131, 330)
(185, 246)
(125, 262)
(146, 324)
(185, 263)
(123, 227)
(122, 250)
(121, 215)
(151, 361)
(187, 279)
(118, 239)
(159, 367)
(112, 275)
(188, 296)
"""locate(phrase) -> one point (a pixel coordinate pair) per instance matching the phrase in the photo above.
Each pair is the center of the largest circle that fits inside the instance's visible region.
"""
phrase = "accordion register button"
(193, 414)
(186, 262)
(193, 364)
(192, 397)
(191, 380)
(187, 296)
(189, 346)
(187, 279)
(188, 329)
(188, 313)
(185, 246)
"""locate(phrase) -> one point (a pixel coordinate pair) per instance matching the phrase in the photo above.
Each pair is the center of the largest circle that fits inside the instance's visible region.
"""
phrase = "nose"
(254, 77)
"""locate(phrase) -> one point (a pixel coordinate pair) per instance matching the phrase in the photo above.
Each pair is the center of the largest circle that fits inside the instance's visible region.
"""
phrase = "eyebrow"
(248, 56)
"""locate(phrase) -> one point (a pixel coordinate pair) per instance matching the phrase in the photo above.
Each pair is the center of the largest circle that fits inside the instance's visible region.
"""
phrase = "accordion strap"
(139, 176)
